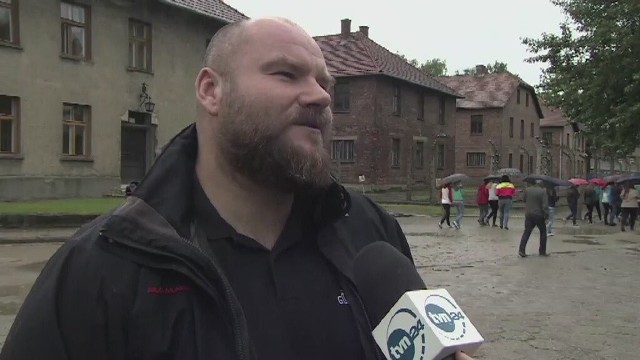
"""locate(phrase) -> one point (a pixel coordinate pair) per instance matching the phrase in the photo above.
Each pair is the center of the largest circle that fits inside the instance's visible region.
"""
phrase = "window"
(9, 125)
(396, 100)
(75, 31)
(526, 99)
(568, 144)
(510, 127)
(518, 94)
(531, 164)
(532, 130)
(420, 106)
(395, 152)
(75, 130)
(476, 159)
(521, 129)
(139, 45)
(521, 167)
(9, 30)
(440, 156)
(341, 96)
(342, 150)
(510, 160)
(476, 124)
(418, 159)
(547, 137)
(441, 109)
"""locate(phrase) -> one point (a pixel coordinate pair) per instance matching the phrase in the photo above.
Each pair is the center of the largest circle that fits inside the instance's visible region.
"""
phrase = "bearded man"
(236, 244)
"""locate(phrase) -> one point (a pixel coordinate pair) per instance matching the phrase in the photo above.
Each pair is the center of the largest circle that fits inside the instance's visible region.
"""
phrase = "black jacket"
(132, 284)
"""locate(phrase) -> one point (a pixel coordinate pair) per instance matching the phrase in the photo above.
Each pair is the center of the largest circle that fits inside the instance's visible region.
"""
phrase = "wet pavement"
(582, 302)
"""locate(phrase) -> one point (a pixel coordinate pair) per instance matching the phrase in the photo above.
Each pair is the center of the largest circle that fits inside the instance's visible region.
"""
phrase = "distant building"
(567, 144)
(393, 124)
(90, 89)
(497, 122)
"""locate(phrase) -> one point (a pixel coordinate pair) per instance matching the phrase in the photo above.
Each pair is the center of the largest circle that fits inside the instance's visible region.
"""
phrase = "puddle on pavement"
(624, 241)
(34, 267)
(433, 234)
(582, 230)
(581, 241)
(633, 249)
(584, 236)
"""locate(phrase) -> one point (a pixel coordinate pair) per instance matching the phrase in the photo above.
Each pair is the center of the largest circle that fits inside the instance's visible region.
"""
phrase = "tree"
(593, 71)
(433, 67)
(495, 68)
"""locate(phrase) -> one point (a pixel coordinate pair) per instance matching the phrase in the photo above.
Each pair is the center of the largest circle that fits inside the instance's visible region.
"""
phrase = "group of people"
(620, 203)
(493, 194)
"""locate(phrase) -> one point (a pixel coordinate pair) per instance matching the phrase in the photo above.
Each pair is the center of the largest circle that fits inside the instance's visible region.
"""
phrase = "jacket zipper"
(240, 349)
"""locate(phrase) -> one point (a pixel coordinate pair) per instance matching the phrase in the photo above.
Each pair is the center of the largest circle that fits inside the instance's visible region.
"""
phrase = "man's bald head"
(227, 42)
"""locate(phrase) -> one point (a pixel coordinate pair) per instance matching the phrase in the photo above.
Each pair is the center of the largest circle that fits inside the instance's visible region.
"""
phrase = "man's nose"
(315, 95)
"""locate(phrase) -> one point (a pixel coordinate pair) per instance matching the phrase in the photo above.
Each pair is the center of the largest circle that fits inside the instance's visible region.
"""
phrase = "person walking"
(505, 191)
(552, 200)
(605, 203)
(615, 201)
(535, 215)
(572, 201)
(482, 199)
(458, 202)
(598, 189)
(493, 203)
(446, 197)
(589, 196)
(630, 198)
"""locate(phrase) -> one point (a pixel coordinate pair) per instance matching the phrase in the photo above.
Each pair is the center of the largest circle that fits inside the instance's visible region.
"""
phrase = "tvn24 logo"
(405, 336)
(449, 321)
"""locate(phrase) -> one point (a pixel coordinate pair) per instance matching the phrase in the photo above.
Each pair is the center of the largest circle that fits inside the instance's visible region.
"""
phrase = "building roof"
(216, 9)
(484, 90)
(553, 117)
(355, 54)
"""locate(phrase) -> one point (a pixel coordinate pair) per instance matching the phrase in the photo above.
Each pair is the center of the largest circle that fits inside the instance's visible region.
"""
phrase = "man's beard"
(253, 143)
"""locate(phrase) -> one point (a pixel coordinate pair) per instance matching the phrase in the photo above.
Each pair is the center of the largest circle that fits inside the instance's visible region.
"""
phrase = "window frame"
(418, 158)
(14, 24)
(481, 157)
(147, 42)
(395, 155)
(73, 124)
(66, 23)
(396, 104)
(344, 151)
(345, 85)
(14, 117)
(477, 118)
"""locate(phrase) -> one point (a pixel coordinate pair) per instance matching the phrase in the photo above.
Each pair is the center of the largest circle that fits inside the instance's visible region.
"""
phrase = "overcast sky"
(463, 32)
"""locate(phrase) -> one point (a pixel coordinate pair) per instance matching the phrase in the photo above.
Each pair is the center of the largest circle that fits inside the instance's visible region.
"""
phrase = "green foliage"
(433, 67)
(593, 71)
(495, 68)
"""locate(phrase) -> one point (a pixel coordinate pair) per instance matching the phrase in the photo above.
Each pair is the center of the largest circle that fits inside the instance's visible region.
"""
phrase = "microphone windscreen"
(382, 274)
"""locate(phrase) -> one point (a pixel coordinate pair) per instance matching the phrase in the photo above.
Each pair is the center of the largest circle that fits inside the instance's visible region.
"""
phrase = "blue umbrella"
(631, 179)
(547, 179)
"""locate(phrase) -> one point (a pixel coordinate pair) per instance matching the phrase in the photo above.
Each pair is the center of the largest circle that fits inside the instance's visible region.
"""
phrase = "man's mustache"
(317, 119)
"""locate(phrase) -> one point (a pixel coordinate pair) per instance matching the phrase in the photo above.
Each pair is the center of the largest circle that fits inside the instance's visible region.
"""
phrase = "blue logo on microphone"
(405, 336)
(446, 316)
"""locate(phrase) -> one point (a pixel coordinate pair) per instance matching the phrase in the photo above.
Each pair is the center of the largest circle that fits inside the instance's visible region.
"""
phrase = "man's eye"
(286, 74)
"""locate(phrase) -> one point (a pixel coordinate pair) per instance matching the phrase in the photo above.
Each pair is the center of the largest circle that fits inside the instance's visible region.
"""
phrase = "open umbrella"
(547, 179)
(578, 181)
(454, 178)
(611, 178)
(491, 177)
(631, 179)
(510, 172)
(598, 181)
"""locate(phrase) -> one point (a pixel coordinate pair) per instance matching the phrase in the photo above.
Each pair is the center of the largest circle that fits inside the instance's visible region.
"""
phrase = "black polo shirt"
(290, 295)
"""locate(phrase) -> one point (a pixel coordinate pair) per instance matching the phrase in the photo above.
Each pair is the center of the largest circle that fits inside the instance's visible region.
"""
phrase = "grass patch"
(89, 206)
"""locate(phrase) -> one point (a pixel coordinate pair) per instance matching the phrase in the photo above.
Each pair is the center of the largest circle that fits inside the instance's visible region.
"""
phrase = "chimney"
(481, 70)
(346, 27)
(364, 30)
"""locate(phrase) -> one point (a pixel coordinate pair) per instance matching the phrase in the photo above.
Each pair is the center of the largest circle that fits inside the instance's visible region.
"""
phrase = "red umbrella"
(598, 181)
(578, 181)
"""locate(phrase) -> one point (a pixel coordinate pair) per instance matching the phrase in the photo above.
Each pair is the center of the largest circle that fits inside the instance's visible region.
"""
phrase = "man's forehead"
(280, 32)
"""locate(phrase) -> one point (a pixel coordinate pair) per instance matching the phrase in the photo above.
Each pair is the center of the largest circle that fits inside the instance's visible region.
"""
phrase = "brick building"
(566, 144)
(497, 123)
(392, 123)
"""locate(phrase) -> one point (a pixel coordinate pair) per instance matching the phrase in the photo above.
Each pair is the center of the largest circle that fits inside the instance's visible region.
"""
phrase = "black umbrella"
(454, 178)
(547, 179)
(510, 172)
(492, 177)
(631, 179)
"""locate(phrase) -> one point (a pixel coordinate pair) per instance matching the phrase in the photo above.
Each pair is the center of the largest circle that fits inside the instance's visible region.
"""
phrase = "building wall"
(567, 157)
(43, 80)
(372, 122)
(496, 127)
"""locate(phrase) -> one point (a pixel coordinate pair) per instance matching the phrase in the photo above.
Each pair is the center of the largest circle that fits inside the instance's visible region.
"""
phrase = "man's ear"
(209, 90)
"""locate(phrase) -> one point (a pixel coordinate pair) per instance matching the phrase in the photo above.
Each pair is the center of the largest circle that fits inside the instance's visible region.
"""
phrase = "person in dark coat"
(590, 201)
(238, 243)
(572, 201)
(536, 212)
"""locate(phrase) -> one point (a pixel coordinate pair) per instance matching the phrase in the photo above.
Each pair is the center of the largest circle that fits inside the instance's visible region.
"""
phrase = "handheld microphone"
(410, 322)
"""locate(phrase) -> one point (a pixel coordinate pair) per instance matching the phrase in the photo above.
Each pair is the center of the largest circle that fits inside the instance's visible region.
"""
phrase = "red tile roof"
(356, 55)
(488, 90)
(216, 9)
(553, 116)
